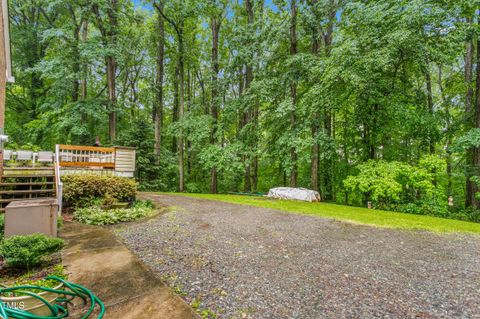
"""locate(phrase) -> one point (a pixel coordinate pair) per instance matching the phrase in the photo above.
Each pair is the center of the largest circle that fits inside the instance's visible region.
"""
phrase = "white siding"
(124, 160)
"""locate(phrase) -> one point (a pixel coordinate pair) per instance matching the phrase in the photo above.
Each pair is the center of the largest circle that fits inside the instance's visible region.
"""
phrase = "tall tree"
(247, 113)
(293, 91)
(315, 47)
(471, 188)
(179, 26)
(158, 108)
(215, 25)
(475, 203)
(107, 23)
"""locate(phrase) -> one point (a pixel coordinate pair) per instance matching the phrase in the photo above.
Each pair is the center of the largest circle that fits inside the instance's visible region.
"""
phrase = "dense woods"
(363, 100)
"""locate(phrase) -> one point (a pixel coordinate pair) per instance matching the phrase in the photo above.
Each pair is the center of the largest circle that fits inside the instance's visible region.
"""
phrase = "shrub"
(29, 251)
(429, 207)
(97, 216)
(466, 214)
(84, 190)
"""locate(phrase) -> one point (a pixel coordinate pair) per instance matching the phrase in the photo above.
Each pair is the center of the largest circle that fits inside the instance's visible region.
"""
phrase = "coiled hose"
(57, 311)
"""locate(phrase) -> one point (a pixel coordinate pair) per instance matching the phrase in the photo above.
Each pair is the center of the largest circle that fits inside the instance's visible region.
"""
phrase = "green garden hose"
(57, 311)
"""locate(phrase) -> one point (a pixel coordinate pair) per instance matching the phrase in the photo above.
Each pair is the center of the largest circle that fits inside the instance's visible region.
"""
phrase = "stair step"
(19, 199)
(20, 168)
(27, 183)
(27, 175)
(27, 191)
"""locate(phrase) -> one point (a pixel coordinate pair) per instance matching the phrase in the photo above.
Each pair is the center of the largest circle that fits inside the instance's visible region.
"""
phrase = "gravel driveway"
(247, 262)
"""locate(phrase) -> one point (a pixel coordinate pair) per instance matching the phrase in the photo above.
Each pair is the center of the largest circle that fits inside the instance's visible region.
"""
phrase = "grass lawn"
(352, 214)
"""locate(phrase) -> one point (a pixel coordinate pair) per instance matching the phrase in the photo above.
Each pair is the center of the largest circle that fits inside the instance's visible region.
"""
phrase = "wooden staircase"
(21, 183)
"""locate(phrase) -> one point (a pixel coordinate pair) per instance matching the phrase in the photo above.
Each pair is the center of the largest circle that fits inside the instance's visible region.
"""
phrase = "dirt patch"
(204, 226)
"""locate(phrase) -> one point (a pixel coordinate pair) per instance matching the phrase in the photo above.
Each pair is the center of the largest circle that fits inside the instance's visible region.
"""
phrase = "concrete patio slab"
(96, 259)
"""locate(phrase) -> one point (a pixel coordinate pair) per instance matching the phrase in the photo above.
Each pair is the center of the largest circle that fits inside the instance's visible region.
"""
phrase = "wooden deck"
(27, 179)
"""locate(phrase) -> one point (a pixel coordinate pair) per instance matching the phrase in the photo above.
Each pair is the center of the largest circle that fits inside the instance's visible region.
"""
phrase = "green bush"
(29, 251)
(98, 216)
(429, 207)
(438, 209)
(84, 190)
(466, 214)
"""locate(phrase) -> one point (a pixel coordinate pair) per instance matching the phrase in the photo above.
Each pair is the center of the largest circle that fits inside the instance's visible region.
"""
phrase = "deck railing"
(86, 156)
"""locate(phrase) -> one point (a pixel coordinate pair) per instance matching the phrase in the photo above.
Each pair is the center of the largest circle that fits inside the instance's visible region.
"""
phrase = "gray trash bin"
(31, 216)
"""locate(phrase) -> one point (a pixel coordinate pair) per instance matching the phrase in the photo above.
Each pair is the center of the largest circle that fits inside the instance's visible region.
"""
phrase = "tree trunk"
(158, 109)
(327, 123)
(181, 109)
(471, 188)
(314, 158)
(428, 79)
(247, 112)
(327, 163)
(215, 26)
(83, 81)
(448, 132)
(476, 150)
(76, 70)
(293, 91)
(112, 98)
(175, 105)
(255, 174)
(109, 37)
(112, 70)
(188, 143)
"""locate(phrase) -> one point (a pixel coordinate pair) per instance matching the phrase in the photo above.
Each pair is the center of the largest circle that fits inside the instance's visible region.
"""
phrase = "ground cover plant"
(350, 213)
(96, 215)
(36, 277)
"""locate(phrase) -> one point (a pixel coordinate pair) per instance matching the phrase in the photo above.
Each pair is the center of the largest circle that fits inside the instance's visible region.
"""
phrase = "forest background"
(363, 100)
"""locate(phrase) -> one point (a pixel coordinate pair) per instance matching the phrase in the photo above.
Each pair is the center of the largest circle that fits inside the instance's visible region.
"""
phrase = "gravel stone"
(246, 262)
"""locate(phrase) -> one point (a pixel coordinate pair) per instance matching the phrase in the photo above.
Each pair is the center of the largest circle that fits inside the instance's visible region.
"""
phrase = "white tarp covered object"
(294, 193)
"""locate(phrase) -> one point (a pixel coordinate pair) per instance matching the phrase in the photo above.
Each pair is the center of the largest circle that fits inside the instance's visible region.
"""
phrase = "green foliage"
(144, 204)
(434, 208)
(150, 175)
(32, 277)
(468, 214)
(468, 140)
(29, 251)
(388, 182)
(377, 178)
(82, 190)
(384, 84)
(97, 216)
(429, 207)
(25, 147)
